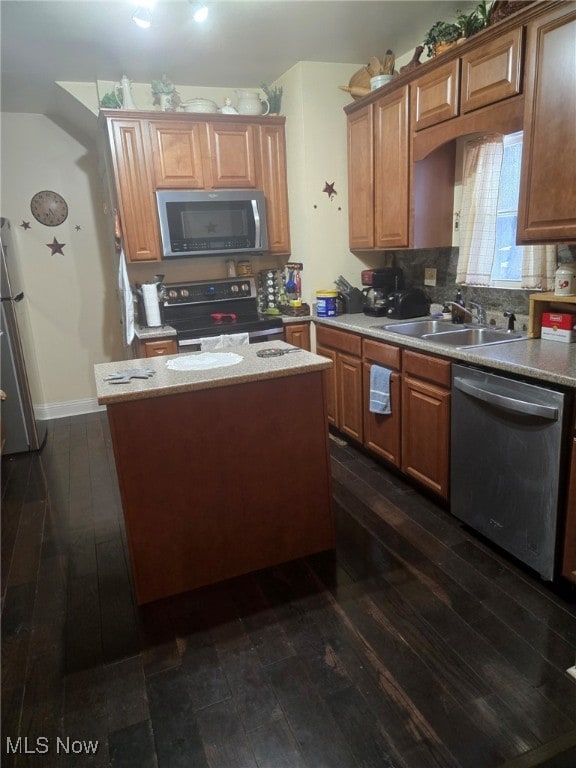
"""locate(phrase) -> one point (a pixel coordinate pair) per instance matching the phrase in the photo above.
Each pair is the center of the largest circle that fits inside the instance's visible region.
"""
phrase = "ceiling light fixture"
(199, 11)
(142, 18)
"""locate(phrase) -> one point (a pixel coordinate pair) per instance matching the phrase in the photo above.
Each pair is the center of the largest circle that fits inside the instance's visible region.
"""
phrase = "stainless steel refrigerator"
(20, 429)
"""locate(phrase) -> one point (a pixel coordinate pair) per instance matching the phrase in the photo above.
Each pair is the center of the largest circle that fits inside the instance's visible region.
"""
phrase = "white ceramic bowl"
(200, 105)
(379, 81)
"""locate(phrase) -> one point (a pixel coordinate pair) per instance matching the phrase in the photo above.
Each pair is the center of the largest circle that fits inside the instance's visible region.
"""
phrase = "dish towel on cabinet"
(380, 389)
(223, 341)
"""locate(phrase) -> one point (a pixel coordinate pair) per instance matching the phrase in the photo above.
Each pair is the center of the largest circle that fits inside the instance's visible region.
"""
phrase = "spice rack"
(546, 302)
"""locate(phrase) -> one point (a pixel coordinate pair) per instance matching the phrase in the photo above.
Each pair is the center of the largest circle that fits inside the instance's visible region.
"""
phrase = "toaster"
(412, 302)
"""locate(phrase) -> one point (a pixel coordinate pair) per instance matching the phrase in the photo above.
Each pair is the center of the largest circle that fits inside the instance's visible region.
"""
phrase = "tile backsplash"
(444, 260)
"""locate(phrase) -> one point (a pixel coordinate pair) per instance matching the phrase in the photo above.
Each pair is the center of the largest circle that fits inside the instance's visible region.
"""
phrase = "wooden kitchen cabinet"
(343, 380)
(547, 202)
(492, 71)
(178, 151)
(298, 334)
(156, 347)
(483, 75)
(133, 174)
(378, 173)
(382, 432)
(232, 155)
(426, 420)
(361, 179)
(201, 155)
(177, 154)
(273, 181)
(435, 95)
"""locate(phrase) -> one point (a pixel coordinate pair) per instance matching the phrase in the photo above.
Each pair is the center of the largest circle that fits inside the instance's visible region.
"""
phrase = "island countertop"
(165, 381)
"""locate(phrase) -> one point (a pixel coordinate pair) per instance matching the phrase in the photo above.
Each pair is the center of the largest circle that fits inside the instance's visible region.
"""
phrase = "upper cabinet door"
(135, 190)
(177, 152)
(392, 170)
(491, 72)
(435, 96)
(232, 155)
(361, 179)
(274, 185)
(547, 203)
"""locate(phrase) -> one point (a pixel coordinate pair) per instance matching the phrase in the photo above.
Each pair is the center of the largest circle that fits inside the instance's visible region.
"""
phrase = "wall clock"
(49, 208)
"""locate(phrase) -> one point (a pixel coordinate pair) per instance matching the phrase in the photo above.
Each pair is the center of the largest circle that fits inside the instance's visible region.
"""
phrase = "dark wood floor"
(414, 645)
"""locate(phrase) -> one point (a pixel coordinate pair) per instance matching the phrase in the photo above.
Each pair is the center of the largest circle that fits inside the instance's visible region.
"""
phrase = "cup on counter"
(230, 267)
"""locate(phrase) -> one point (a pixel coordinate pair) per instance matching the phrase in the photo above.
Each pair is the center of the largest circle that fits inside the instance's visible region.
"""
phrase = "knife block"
(353, 302)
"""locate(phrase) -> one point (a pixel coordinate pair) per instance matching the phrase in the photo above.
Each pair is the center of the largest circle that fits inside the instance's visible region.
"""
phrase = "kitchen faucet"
(480, 315)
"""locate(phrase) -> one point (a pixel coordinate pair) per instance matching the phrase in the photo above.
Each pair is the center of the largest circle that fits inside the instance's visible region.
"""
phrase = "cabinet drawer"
(492, 72)
(159, 347)
(434, 369)
(341, 340)
(384, 354)
(435, 96)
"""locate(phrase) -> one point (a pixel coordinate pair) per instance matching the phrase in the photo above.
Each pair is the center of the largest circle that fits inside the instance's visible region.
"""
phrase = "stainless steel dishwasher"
(508, 462)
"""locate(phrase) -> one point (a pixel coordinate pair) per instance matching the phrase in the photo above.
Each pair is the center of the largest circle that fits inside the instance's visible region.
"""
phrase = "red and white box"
(559, 326)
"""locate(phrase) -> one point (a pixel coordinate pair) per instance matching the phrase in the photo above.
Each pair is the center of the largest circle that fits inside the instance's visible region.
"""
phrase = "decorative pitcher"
(124, 87)
(249, 103)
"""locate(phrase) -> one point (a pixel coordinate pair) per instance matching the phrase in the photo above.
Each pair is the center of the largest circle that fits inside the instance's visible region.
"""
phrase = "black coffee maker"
(382, 282)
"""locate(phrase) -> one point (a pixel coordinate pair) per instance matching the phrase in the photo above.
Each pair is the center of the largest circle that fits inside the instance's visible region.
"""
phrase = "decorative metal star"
(78, 227)
(25, 225)
(329, 189)
(56, 247)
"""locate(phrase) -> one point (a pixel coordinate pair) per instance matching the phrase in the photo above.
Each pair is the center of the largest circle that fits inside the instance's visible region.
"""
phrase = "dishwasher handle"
(506, 403)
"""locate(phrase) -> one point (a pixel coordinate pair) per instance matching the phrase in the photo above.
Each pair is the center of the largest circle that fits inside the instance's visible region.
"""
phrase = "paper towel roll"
(151, 306)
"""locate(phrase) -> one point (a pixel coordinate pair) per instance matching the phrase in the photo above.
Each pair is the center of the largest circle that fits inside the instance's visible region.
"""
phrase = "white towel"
(223, 341)
(380, 389)
(127, 300)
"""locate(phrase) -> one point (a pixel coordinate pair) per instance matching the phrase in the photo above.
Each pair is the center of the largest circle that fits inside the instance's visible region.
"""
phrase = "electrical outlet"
(430, 276)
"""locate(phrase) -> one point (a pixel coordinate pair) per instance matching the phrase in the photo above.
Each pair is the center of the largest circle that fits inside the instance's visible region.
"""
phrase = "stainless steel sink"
(471, 336)
(418, 328)
(444, 332)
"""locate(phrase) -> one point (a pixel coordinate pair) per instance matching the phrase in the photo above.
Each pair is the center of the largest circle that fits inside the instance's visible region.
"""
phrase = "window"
(507, 264)
(488, 254)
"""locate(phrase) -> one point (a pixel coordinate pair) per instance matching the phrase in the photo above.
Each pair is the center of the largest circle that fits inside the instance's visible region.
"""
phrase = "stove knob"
(184, 292)
(234, 288)
(172, 294)
(245, 288)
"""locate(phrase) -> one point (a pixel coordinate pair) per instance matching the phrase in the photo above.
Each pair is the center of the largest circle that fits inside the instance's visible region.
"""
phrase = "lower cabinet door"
(330, 384)
(426, 434)
(382, 432)
(350, 395)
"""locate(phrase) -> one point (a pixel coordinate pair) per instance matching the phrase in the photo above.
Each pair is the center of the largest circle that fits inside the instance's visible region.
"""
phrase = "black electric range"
(204, 309)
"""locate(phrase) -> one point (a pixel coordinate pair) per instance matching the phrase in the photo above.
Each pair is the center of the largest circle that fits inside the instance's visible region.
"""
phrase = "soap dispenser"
(457, 313)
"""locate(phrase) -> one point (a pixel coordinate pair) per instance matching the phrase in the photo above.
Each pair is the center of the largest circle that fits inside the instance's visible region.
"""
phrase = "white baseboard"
(68, 408)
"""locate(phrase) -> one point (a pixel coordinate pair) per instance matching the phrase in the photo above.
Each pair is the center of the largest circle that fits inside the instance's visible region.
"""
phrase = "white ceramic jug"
(249, 103)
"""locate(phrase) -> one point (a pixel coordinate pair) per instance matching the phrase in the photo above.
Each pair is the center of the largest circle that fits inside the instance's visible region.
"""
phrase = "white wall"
(70, 297)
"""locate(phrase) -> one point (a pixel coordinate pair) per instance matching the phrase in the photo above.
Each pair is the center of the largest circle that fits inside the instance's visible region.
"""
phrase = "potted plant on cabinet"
(474, 22)
(444, 34)
(441, 36)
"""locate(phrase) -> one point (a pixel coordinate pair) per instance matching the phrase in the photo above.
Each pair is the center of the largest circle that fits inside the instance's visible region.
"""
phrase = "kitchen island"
(221, 471)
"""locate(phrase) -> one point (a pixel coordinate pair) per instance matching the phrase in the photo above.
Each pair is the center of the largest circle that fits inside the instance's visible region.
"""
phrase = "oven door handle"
(251, 335)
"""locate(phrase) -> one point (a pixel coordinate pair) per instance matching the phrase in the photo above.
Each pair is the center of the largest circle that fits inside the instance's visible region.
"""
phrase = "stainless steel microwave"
(211, 222)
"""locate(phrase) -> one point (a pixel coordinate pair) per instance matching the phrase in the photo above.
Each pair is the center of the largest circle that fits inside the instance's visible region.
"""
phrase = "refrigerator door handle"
(19, 296)
(506, 403)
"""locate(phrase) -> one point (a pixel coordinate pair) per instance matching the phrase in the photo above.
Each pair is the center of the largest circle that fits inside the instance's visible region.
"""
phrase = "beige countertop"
(551, 361)
(168, 382)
